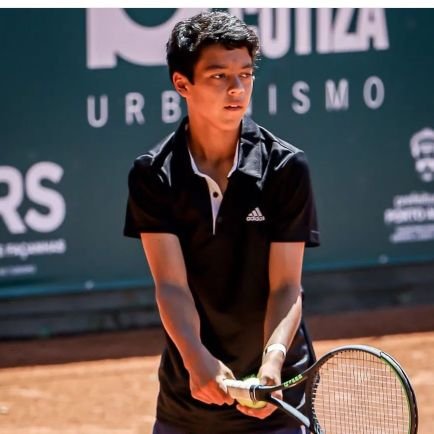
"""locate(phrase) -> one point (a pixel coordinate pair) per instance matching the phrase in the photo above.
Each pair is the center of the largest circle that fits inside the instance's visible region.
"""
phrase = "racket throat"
(291, 411)
(258, 394)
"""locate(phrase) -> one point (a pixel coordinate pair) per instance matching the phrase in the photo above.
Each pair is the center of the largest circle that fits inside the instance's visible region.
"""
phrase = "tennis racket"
(354, 389)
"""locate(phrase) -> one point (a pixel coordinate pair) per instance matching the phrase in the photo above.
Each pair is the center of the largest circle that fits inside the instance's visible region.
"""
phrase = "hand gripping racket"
(353, 389)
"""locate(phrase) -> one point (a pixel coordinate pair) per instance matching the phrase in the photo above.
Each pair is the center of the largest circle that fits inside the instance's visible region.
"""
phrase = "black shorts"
(163, 428)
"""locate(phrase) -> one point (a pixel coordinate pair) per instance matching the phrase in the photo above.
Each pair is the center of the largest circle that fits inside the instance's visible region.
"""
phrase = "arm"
(166, 262)
(284, 307)
(283, 314)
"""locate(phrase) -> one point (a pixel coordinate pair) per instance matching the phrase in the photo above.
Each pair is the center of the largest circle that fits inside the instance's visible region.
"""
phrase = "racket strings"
(357, 393)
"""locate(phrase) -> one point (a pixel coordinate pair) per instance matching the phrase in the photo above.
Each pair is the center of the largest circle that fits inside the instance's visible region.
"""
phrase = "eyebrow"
(217, 66)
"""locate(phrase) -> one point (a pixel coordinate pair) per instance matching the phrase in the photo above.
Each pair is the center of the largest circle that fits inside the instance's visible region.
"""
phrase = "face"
(223, 83)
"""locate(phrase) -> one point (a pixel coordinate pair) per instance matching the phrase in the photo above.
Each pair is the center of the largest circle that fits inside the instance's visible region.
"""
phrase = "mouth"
(233, 107)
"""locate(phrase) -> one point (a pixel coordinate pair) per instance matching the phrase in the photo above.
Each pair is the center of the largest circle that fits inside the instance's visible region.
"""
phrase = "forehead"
(219, 56)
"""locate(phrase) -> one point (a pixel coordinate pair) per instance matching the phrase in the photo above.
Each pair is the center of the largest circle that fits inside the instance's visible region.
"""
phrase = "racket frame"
(264, 393)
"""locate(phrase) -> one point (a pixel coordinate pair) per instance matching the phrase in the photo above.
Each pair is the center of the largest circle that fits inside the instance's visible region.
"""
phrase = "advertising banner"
(86, 91)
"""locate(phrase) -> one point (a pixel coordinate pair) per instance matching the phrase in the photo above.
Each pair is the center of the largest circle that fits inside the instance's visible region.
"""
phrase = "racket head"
(359, 389)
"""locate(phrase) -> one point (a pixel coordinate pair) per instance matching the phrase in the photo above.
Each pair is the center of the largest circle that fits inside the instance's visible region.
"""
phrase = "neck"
(212, 144)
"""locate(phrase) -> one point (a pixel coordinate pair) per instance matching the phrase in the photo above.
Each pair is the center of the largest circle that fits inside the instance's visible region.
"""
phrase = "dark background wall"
(86, 91)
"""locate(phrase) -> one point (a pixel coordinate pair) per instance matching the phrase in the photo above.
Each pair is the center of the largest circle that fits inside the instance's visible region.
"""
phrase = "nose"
(236, 86)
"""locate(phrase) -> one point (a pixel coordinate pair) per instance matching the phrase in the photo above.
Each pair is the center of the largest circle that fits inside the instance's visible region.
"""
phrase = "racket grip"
(238, 389)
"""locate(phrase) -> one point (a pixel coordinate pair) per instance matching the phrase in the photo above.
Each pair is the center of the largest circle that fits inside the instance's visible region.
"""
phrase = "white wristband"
(275, 347)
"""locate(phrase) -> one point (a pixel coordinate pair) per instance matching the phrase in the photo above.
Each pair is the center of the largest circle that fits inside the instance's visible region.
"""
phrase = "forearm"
(282, 319)
(181, 321)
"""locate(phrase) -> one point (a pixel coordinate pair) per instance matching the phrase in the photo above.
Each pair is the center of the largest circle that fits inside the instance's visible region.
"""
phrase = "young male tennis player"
(224, 210)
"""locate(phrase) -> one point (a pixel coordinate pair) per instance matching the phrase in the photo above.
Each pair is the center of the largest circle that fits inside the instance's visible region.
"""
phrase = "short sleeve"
(293, 216)
(149, 206)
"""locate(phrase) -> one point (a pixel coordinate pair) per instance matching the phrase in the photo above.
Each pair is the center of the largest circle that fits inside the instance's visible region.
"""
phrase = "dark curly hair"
(191, 35)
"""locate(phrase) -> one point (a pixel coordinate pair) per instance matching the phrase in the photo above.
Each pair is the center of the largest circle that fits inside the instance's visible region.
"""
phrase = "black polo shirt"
(268, 199)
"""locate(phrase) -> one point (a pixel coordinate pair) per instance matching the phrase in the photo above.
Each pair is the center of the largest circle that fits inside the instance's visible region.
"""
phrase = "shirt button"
(215, 194)
(219, 219)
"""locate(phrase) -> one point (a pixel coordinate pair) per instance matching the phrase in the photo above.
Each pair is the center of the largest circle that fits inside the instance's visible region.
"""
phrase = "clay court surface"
(107, 383)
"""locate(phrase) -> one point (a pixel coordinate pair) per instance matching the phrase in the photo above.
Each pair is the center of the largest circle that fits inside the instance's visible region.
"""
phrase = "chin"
(230, 125)
(232, 121)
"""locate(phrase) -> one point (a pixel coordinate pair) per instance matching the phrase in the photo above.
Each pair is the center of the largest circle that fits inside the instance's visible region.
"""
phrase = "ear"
(181, 83)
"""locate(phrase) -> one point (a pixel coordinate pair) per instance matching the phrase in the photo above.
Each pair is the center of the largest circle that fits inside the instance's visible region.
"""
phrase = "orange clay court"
(107, 383)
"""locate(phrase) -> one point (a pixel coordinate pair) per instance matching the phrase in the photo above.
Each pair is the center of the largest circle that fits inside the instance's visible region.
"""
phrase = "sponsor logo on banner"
(144, 45)
(422, 150)
(112, 35)
(44, 215)
(412, 215)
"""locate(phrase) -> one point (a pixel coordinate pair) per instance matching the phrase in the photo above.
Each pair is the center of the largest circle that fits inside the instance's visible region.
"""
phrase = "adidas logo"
(255, 216)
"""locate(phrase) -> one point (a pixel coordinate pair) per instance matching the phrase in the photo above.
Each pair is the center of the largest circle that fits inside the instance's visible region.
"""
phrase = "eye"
(218, 76)
(246, 75)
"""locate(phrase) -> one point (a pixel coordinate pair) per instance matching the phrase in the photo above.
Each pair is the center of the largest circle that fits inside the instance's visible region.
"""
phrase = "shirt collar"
(250, 159)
